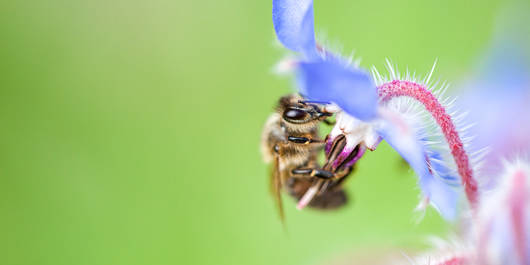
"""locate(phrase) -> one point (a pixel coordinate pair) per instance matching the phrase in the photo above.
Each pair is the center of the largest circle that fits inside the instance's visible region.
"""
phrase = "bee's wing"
(276, 185)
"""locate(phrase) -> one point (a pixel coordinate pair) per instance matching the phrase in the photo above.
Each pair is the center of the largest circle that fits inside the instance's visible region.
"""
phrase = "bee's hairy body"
(283, 145)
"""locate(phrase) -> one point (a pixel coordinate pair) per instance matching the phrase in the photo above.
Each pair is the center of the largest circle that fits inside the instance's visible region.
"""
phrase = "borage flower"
(370, 109)
(500, 233)
(503, 235)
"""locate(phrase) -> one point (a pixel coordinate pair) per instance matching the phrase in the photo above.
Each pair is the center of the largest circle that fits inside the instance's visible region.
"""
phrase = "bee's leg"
(316, 106)
(331, 194)
(322, 107)
(342, 174)
(304, 140)
(322, 173)
(326, 186)
(314, 172)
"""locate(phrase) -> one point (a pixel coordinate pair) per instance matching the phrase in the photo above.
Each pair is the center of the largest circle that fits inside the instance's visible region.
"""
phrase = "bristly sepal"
(420, 101)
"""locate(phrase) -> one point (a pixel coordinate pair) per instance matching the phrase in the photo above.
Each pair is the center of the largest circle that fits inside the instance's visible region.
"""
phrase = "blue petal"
(351, 89)
(440, 189)
(294, 25)
(446, 175)
(404, 139)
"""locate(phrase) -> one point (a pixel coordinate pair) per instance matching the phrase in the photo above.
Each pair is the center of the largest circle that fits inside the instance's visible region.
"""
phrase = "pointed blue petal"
(404, 139)
(441, 192)
(351, 89)
(440, 167)
(294, 25)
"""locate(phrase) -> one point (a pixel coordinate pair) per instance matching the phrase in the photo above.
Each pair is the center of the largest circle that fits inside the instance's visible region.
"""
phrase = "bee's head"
(295, 111)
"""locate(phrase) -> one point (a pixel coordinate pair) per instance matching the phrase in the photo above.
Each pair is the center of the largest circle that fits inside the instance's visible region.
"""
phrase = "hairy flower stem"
(418, 92)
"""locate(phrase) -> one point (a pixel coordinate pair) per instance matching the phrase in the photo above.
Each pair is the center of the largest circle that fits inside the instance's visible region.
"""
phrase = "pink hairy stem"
(418, 92)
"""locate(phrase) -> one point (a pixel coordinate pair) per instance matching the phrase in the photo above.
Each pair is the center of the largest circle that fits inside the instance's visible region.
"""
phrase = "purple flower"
(500, 232)
(503, 235)
(369, 109)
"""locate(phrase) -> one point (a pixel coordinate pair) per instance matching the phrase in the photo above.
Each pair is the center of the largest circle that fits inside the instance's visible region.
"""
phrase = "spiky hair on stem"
(438, 124)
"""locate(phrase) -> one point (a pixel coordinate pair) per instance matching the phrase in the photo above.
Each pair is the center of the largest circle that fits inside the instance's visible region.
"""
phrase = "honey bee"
(290, 141)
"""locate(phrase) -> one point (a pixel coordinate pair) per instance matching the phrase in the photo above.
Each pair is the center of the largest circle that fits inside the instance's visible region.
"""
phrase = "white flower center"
(355, 130)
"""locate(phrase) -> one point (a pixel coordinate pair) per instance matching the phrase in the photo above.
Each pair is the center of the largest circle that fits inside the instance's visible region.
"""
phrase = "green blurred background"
(130, 129)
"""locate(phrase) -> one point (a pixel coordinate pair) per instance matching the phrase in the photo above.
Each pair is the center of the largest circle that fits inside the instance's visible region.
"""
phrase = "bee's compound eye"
(295, 114)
